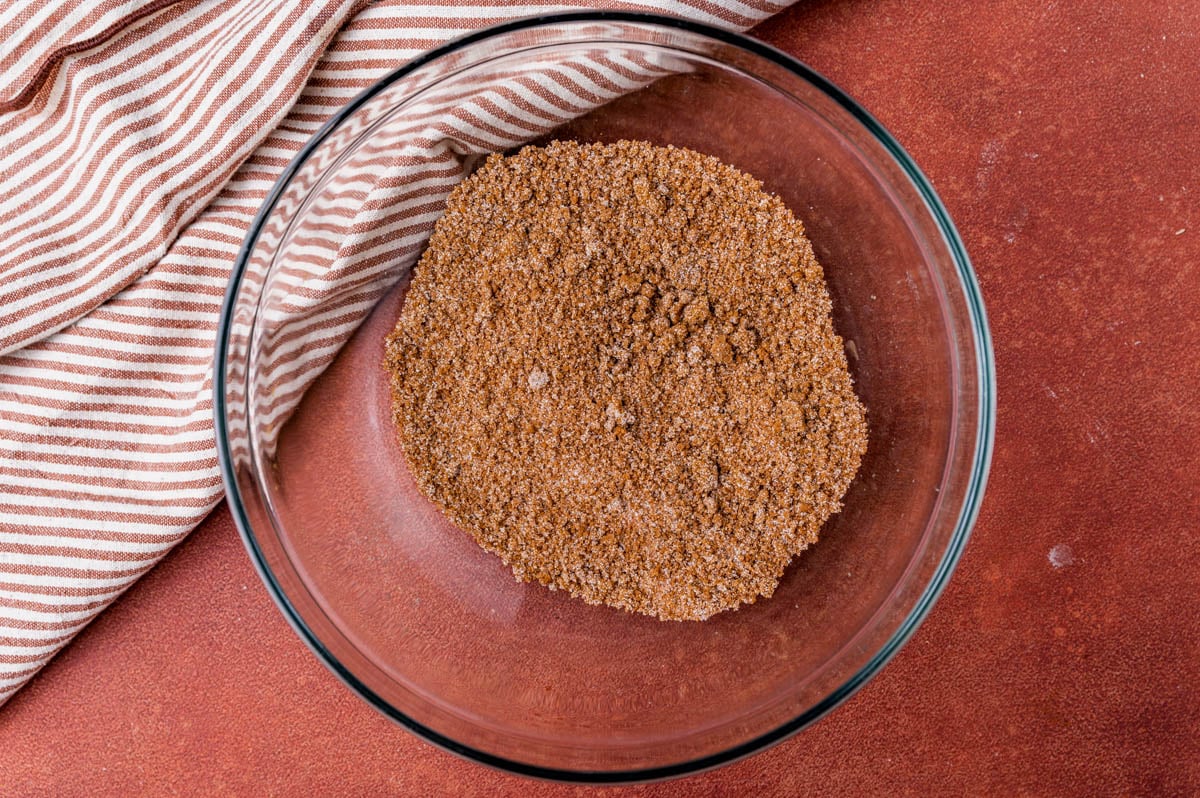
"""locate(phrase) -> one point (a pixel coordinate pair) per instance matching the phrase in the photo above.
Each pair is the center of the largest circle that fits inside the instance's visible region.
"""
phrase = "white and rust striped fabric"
(137, 141)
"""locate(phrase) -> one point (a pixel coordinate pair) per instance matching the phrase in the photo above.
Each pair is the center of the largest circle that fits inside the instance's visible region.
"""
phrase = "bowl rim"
(980, 465)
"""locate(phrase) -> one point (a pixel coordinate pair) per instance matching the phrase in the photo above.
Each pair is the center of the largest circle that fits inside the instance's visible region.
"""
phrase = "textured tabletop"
(1063, 659)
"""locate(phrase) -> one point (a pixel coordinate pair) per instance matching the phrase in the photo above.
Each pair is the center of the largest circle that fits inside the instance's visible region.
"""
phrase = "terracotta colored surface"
(1064, 657)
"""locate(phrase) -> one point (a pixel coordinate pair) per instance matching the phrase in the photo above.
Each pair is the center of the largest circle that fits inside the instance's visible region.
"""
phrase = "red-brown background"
(1064, 139)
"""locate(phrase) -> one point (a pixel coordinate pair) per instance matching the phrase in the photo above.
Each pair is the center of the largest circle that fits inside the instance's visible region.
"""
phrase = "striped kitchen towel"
(137, 140)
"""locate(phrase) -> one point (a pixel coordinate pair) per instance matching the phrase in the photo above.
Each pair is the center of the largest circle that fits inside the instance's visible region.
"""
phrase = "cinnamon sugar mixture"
(616, 369)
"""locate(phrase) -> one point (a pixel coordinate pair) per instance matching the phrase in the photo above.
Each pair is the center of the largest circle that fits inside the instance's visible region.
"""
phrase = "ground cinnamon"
(616, 368)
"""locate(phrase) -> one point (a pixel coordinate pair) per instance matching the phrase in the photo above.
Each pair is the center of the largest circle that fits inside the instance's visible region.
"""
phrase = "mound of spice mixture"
(616, 369)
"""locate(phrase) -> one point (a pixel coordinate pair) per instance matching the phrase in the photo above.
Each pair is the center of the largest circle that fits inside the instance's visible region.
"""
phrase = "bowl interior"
(436, 631)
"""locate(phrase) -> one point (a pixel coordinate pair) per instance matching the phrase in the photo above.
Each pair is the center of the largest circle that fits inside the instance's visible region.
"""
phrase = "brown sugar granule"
(616, 369)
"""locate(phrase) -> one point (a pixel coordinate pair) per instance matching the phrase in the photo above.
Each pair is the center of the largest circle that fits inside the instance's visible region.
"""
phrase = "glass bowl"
(408, 610)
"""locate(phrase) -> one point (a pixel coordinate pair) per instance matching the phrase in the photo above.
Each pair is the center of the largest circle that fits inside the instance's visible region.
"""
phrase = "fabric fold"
(108, 162)
(39, 35)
